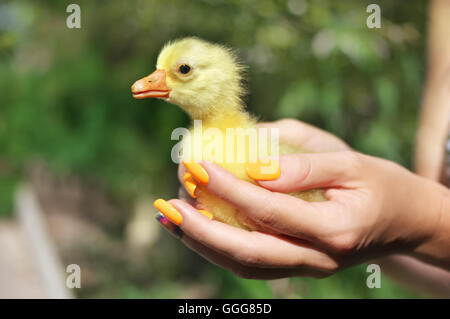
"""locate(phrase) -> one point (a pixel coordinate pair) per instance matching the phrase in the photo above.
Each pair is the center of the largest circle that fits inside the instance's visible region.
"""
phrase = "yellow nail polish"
(263, 171)
(206, 213)
(197, 171)
(168, 210)
(190, 184)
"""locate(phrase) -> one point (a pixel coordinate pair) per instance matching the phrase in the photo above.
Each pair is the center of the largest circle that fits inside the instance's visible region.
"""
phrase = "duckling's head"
(202, 78)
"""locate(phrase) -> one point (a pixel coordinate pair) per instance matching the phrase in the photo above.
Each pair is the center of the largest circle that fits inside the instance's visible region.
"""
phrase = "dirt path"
(19, 277)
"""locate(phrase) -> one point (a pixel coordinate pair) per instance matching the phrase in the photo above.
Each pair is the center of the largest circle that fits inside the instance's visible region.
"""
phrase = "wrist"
(435, 247)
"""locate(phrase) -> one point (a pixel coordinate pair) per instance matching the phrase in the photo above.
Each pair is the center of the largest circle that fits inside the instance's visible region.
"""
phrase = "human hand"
(374, 208)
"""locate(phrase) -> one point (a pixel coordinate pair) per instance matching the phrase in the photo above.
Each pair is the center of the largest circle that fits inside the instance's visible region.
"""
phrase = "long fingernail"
(168, 210)
(197, 171)
(206, 213)
(171, 227)
(263, 171)
(190, 184)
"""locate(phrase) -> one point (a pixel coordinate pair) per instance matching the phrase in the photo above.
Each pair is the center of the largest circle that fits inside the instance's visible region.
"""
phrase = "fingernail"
(197, 171)
(168, 210)
(263, 171)
(171, 227)
(190, 184)
(206, 213)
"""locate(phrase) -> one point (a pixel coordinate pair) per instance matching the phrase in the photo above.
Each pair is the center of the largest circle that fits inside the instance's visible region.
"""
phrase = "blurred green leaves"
(302, 97)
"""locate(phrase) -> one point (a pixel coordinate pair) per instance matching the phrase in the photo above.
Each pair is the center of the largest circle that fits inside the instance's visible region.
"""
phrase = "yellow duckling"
(205, 80)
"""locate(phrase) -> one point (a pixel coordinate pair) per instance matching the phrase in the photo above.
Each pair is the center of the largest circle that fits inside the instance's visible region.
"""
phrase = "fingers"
(314, 170)
(281, 212)
(311, 138)
(181, 172)
(185, 196)
(252, 249)
(245, 271)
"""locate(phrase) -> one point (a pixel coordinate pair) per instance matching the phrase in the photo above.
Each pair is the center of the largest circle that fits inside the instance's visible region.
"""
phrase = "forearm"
(435, 114)
(416, 275)
(432, 132)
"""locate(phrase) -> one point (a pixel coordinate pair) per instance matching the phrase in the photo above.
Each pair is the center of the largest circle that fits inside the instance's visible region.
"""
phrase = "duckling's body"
(227, 213)
(205, 80)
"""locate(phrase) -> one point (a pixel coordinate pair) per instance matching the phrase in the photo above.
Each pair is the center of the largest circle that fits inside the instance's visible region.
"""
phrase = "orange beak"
(153, 85)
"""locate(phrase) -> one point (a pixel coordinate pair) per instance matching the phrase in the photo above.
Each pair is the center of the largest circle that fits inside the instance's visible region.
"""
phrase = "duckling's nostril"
(137, 86)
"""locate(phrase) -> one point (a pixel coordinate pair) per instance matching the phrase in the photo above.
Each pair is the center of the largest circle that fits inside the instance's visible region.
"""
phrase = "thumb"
(311, 170)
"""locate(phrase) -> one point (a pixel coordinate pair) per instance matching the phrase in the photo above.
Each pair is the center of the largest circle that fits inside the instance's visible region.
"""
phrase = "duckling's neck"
(223, 118)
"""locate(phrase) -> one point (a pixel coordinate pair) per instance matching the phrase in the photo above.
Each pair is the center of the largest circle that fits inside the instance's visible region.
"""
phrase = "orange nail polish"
(197, 171)
(263, 171)
(190, 184)
(206, 213)
(168, 210)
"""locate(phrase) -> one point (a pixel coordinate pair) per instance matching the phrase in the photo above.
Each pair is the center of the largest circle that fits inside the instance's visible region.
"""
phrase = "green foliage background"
(65, 98)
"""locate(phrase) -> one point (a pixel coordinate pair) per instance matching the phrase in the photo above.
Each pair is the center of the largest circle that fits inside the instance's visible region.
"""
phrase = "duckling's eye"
(184, 69)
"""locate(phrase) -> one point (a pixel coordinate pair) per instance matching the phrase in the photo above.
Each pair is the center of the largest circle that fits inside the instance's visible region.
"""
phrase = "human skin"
(435, 112)
(429, 154)
(375, 208)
